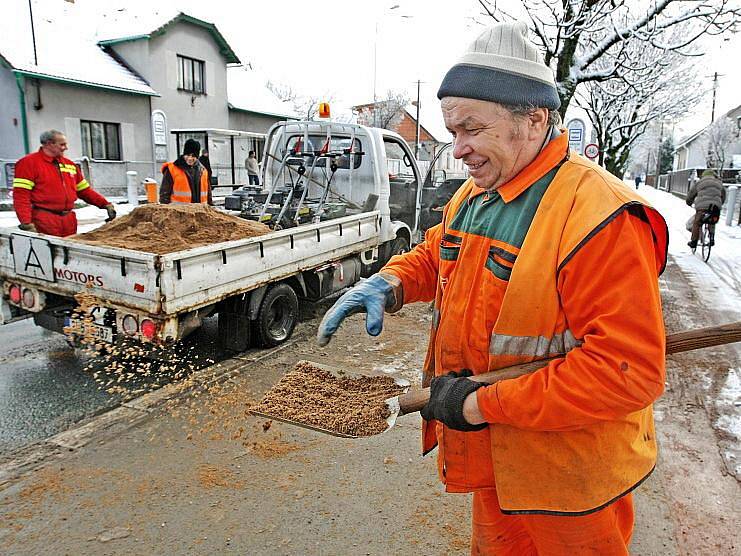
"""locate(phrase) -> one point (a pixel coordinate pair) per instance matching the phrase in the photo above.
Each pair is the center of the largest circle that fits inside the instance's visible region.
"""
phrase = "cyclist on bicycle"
(708, 195)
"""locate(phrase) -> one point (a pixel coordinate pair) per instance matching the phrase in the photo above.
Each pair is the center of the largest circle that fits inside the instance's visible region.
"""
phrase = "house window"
(191, 75)
(100, 140)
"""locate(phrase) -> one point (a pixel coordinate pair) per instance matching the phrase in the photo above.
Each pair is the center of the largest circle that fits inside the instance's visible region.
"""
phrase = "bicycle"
(707, 231)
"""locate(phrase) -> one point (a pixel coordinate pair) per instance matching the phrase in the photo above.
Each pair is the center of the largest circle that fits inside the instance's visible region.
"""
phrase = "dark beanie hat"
(502, 66)
(192, 147)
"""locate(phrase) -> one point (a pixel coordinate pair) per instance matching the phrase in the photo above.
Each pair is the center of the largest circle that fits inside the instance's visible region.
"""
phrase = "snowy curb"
(121, 418)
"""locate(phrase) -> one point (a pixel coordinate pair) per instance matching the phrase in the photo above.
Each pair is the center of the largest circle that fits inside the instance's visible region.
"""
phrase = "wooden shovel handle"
(417, 398)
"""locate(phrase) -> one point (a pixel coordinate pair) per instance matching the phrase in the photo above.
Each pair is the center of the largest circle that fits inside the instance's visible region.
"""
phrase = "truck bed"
(184, 280)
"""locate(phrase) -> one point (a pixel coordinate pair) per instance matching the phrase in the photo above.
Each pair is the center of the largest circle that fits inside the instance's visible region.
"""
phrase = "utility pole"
(416, 135)
(658, 153)
(715, 86)
(33, 34)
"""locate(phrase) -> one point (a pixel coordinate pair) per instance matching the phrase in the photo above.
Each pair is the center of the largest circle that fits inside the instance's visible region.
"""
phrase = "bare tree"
(307, 106)
(385, 113)
(589, 41)
(621, 109)
(718, 136)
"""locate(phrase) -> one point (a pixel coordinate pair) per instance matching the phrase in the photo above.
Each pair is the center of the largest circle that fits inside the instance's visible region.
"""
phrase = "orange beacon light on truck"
(324, 110)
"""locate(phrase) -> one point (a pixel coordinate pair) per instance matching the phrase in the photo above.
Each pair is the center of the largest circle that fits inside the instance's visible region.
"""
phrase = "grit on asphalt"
(203, 476)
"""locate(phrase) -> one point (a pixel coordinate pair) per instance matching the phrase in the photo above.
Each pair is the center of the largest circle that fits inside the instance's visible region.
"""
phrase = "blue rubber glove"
(371, 296)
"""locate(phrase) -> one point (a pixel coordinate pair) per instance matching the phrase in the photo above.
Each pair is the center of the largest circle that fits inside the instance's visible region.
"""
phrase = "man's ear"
(537, 123)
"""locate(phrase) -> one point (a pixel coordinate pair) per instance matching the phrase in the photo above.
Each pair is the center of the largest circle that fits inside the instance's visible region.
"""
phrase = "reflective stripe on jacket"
(181, 191)
(498, 304)
(54, 184)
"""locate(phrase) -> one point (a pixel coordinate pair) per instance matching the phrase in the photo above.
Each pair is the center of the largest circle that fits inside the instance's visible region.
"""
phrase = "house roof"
(411, 111)
(690, 138)
(145, 26)
(64, 54)
(247, 92)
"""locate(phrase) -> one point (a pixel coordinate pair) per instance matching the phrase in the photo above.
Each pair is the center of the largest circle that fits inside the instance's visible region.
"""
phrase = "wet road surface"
(46, 386)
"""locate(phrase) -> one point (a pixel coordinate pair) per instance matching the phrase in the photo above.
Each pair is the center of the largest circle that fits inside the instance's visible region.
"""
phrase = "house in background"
(118, 95)
(692, 152)
(690, 156)
(390, 116)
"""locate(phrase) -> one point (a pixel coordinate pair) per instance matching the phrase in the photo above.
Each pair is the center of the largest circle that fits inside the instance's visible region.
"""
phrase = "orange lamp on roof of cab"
(324, 110)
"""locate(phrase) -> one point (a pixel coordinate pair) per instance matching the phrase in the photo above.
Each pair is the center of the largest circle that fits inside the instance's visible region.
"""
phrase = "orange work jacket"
(541, 452)
(181, 186)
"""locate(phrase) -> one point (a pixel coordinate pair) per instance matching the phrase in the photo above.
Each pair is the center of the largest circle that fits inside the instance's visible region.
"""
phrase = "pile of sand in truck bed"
(167, 228)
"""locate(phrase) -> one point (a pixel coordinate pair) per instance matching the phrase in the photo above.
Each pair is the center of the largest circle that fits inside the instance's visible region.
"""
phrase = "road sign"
(591, 151)
(577, 135)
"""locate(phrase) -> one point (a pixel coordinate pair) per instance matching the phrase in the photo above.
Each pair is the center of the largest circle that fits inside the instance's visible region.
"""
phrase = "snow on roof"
(65, 53)
(246, 90)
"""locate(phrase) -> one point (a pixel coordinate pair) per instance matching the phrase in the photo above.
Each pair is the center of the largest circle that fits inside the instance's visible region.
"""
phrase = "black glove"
(447, 394)
(111, 210)
(689, 203)
(30, 227)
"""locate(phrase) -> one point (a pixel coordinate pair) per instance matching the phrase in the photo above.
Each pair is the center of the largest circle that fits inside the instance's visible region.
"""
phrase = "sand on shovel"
(314, 396)
(164, 229)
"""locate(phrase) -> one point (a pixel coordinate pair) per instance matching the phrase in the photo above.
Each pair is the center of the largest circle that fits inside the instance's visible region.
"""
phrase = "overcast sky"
(327, 48)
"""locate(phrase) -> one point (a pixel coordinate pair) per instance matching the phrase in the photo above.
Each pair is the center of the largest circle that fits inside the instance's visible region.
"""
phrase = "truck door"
(444, 176)
(405, 193)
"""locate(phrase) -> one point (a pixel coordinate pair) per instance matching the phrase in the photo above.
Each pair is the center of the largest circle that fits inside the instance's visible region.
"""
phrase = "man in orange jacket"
(186, 180)
(46, 186)
(540, 255)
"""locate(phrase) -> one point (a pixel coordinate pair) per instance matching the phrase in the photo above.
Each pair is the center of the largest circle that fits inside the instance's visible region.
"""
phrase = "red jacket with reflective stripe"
(50, 183)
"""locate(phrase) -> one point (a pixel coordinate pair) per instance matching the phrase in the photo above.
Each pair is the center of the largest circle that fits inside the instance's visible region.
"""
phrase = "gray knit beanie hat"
(502, 66)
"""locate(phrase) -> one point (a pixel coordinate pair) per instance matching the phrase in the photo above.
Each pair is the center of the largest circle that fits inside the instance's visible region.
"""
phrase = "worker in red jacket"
(46, 186)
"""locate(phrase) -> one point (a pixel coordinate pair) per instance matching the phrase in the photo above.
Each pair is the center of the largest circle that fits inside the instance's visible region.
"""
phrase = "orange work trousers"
(606, 532)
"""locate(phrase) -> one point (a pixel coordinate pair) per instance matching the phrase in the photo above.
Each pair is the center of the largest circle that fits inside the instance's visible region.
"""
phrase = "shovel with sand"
(306, 409)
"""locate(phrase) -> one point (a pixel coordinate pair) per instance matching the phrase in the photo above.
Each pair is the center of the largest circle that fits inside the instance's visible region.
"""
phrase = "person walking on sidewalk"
(186, 179)
(540, 254)
(46, 186)
(637, 180)
(253, 170)
(708, 195)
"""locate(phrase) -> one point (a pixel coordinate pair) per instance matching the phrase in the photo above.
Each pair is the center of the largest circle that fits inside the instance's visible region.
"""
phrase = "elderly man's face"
(492, 144)
(56, 147)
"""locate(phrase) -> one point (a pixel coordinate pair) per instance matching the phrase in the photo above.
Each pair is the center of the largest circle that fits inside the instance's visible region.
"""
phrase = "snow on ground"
(718, 284)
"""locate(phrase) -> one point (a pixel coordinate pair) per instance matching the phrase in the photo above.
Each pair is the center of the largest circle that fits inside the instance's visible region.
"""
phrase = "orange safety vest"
(564, 472)
(181, 185)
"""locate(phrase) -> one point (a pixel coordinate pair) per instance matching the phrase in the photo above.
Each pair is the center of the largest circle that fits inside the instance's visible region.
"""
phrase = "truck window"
(402, 182)
(337, 144)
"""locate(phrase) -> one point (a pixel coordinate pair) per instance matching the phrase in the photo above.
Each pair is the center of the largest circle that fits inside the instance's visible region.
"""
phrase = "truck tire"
(277, 316)
(398, 246)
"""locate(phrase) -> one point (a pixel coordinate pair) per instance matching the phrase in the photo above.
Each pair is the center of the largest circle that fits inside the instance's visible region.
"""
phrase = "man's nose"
(460, 148)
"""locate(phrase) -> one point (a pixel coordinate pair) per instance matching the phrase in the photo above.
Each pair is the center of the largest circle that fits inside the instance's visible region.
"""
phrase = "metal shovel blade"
(392, 403)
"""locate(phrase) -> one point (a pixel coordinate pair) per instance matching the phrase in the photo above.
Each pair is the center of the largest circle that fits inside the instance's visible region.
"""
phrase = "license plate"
(89, 330)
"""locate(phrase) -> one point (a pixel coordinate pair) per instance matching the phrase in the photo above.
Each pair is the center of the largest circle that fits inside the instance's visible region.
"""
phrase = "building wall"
(184, 109)
(11, 127)
(251, 121)
(136, 55)
(64, 105)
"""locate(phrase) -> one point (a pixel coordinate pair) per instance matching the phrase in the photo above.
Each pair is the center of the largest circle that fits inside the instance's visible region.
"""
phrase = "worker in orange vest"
(186, 180)
(540, 254)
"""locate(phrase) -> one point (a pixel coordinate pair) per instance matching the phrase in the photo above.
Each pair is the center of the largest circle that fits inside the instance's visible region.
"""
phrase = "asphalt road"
(46, 385)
